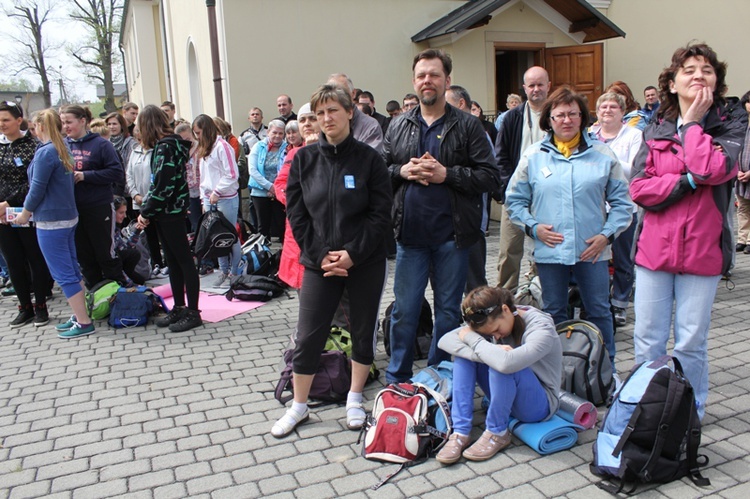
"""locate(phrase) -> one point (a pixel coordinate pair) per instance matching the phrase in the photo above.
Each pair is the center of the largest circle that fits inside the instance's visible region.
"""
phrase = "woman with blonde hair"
(51, 199)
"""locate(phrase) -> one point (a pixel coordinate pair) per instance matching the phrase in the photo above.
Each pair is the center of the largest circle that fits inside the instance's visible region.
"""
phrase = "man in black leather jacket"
(440, 163)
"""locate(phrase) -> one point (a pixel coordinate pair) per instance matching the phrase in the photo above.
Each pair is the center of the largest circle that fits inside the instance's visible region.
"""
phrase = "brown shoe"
(451, 451)
(487, 446)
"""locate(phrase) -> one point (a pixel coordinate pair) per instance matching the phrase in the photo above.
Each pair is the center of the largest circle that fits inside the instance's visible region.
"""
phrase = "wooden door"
(579, 66)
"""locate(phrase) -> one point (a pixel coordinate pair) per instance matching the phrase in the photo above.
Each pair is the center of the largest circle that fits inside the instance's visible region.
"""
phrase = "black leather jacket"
(466, 153)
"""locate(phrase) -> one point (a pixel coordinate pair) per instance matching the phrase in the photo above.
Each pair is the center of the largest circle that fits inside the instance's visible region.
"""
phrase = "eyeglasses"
(9, 103)
(478, 317)
(572, 116)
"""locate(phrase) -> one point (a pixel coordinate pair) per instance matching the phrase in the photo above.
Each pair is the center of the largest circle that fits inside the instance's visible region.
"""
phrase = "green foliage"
(17, 84)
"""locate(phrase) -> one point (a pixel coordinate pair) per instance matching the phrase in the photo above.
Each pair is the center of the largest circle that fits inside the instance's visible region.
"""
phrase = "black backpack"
(253, 288)
(216, 235)
(651, 433)
(424, 331)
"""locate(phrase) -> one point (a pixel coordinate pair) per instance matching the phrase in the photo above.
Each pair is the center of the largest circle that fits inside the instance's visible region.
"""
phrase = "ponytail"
(52, 124)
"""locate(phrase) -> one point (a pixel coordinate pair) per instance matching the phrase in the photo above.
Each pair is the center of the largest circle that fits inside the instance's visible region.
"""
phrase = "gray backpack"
(587, 371)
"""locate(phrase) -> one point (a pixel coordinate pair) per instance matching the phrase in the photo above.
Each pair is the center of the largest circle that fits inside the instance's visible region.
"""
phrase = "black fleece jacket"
(339, 197)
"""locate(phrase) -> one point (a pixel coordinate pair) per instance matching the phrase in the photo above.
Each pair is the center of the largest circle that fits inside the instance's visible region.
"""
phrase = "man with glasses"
(520, 129)
(410, 102)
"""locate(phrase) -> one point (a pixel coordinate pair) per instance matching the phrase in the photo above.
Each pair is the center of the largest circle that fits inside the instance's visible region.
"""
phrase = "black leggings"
(154, 247)
(95, 246)
(271, 216)
(318, 300)
(183, 276)
(26, 265)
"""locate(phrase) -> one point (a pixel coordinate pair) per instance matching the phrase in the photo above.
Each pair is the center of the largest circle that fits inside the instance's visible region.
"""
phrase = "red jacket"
(685, 229)
(290, 270)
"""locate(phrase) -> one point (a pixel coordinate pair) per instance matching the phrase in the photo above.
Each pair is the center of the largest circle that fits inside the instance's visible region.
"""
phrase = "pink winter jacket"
(290, 270)
(685, 229)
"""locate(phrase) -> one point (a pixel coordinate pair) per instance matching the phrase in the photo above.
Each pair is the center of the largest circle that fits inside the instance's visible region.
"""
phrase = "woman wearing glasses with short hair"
(515, 356)
(559, 195)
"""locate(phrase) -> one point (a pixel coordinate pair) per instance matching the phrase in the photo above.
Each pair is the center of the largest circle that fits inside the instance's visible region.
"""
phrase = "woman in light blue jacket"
(558, 195)
(264, 162)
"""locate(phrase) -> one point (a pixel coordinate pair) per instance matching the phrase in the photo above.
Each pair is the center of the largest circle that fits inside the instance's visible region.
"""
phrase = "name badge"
(349, 181)
(546, 172)
(19, 161)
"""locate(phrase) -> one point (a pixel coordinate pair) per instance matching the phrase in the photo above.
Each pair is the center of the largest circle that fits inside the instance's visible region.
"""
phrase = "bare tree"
(97, 55)
(31, 49)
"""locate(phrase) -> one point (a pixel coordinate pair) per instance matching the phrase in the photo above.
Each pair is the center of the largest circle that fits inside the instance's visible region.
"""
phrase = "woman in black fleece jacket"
(338, 203)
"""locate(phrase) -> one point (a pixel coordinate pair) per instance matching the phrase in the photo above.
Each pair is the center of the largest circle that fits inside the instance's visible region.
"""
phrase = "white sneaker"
(222, 281)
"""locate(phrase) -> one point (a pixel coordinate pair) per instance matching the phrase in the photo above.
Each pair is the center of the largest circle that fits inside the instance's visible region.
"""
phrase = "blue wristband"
(534, 231)
(692, 182)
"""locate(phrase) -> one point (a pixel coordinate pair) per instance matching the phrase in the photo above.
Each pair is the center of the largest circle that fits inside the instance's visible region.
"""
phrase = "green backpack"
(340, 339)
(99, 298)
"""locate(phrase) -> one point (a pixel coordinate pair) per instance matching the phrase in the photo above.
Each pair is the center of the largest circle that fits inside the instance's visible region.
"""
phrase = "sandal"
(288, 422)
(355, 415)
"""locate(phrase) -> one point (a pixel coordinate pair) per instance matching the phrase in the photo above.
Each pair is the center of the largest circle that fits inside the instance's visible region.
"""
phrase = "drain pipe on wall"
(212, 32)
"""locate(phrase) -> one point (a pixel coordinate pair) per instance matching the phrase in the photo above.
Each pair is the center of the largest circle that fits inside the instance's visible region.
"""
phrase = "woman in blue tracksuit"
(558, 195)
(51, 200)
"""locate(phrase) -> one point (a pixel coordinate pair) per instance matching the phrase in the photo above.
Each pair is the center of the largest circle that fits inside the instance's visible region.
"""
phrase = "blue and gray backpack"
(651, 432)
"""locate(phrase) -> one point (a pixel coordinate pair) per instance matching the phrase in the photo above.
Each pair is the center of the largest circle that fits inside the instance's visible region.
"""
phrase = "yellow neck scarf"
(566, 148)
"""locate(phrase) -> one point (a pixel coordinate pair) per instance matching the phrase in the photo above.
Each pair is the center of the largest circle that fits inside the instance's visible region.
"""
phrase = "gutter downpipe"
(212, 32)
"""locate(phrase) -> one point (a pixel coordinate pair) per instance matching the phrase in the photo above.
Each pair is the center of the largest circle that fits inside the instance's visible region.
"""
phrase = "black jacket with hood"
(169, 193)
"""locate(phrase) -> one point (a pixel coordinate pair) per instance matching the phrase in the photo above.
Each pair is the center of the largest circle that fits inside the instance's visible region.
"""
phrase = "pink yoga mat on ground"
(576, 410)
(214, 308)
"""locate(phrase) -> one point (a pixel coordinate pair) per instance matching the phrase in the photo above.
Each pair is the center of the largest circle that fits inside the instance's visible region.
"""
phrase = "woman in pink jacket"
(682, 177)
(290, 270)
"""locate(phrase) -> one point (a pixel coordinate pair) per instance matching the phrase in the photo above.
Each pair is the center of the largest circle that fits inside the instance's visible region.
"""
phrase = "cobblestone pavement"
(145, 413)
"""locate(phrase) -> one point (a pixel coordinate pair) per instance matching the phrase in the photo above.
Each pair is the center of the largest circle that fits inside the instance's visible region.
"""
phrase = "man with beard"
(440, 163)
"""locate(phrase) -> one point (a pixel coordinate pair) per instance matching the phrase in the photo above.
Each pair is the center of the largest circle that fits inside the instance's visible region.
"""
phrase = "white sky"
(60, 30)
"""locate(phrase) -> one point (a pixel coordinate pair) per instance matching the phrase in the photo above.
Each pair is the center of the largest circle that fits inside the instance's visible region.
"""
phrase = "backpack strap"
(675, 392)
(628, 430)
(443, 404)
(693, 442)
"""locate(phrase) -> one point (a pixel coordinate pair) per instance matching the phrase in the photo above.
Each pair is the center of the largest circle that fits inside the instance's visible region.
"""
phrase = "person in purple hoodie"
(97, 166)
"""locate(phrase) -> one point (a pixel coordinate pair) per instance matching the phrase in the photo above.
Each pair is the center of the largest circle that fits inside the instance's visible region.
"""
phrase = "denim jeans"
(593, 283)
(518, 394)
(445, 266)
(622, 281)
(692, 297)
(229, 208)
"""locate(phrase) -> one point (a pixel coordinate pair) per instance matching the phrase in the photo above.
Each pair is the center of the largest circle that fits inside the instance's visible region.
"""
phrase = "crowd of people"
(344, 188)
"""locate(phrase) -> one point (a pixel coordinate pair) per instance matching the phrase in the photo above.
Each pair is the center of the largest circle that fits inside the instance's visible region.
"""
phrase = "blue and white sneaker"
(65, 326)
(76, 331)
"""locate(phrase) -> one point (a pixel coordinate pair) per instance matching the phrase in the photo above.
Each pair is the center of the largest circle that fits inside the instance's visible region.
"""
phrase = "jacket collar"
(664, 129)
(586, 141)
(336, 150)
(450, 115)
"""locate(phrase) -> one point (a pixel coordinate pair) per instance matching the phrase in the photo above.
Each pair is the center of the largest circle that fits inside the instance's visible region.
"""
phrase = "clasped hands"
(424, 170)
(596, 244)
(336, 263)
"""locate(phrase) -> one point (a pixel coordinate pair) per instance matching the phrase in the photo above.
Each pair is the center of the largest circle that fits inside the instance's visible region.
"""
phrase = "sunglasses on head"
(478, 317)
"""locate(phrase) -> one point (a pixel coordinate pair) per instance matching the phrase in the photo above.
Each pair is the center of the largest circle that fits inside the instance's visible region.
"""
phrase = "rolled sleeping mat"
(576, 410)
(546, 437)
